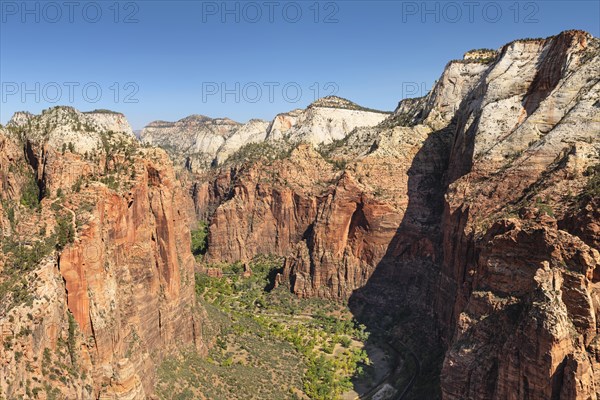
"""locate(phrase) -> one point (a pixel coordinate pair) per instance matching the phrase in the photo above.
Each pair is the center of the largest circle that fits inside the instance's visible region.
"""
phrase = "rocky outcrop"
(254, 131)
(110, 288)
(109, 270)
(324, 121)
(530, 314)
(193, 141)
(348, 237)
(110, 121)
(521, 145)
(267, 212)
(64, 127)
(474, 206)
(199, 142)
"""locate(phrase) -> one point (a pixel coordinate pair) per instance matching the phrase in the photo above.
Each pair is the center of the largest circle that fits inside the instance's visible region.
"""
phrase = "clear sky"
(166, 60)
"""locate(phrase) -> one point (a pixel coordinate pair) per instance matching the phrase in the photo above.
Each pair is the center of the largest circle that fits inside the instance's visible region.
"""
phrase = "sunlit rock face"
(103, 304)
(474, 206)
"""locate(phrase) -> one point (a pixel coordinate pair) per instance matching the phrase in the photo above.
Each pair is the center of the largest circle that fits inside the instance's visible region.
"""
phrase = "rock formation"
(525, 138)
(194, 141)
(97, 273)
(475, 207)
(473, 210)
(197, 142)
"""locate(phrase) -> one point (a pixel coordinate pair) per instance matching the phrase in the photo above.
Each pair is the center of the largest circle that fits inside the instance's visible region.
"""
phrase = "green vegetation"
(10, 214)
(111, 181)
(269, 151)
(119, 160)
(20, 259)
(327, 149)
(77, 185)
(483, 50)
(71, 345)
(326, 152)
(544, 207)
(60, 365)
(200, 239)
(269, 343)
(399, 119)
(337, 163)
(101, 111)
(20, 256)
(245, 363)
(30, 192)
(65, 232)
(484, 60)
(341, 103)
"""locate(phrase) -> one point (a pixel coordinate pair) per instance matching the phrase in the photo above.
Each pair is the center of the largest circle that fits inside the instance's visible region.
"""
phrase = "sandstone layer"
(97, 262)
(475, 208)
(197, 142)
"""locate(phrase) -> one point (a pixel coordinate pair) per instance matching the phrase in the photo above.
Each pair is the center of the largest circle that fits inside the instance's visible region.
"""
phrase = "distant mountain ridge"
(465, 225)
(199, 142)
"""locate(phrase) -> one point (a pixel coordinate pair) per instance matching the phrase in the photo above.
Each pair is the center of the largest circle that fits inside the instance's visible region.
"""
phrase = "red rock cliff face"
(348, 236)
(479, 216)
(522, 324)
(268, 209)
(131, 272)
(119, 296)
(323, 218)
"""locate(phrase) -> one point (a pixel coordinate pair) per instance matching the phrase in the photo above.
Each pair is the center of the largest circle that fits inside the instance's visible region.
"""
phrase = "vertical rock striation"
(117, 294)
(475, 207)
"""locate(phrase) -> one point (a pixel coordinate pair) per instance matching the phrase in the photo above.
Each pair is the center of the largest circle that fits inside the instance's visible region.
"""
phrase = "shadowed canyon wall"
(475, 207)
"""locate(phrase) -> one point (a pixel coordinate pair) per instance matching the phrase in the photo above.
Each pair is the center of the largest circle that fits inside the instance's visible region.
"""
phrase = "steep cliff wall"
(105, 285)
(476, 207)
(524, 314)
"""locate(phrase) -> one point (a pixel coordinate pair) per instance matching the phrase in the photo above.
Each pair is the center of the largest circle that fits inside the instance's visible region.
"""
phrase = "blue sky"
(166, 60)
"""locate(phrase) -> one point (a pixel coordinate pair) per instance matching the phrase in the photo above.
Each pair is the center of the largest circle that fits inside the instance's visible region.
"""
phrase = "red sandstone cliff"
(119, 296)
(524, 312)
(475, 207)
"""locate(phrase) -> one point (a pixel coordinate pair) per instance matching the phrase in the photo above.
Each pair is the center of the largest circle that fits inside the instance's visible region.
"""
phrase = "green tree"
(200, 239)
(77, 185)
(30, 193)
(65, 232)
(11, 215)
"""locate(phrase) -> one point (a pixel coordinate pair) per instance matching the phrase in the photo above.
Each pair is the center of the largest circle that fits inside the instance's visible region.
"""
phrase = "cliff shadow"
(400, 303)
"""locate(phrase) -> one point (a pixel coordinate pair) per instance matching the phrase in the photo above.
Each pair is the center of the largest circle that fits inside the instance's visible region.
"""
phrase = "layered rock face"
(194, 141)
(110, 121)
(475, 206)
(198, 142)
(101, 273)
(324, 121)
(524, 315)
(279, 213)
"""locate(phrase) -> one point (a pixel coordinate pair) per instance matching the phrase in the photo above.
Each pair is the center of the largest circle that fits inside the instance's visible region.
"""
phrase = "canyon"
(464, 225)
